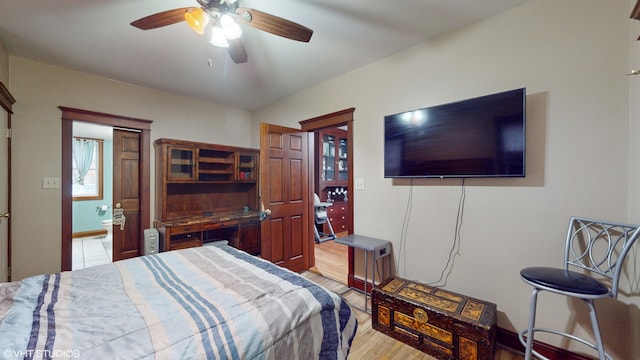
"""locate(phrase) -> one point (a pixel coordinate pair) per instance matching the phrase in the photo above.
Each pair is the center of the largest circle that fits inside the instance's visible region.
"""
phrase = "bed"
(212, 302)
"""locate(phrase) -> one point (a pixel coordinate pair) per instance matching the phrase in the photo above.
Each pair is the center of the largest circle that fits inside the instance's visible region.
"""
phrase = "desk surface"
(362, 242)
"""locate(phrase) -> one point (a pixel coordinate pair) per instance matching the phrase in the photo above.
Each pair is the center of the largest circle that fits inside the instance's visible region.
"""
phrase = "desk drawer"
(218, 225)
(182, 229)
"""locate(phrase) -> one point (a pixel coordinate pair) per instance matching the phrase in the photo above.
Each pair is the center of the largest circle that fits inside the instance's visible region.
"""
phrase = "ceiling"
(95, 36)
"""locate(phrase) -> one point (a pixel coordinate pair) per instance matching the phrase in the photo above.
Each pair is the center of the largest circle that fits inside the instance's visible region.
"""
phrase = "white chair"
(321, 218)
(593, 261)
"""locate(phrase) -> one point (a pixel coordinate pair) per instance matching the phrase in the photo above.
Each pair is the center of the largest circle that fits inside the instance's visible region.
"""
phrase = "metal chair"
(595, 251)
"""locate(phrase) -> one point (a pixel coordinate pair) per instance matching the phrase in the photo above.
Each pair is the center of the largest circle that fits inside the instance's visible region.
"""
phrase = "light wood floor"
(331, 260)
(369, 344)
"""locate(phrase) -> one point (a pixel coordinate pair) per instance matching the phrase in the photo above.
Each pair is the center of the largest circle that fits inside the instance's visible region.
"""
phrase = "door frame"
(7, 101)
(336, 119)
(69, 115)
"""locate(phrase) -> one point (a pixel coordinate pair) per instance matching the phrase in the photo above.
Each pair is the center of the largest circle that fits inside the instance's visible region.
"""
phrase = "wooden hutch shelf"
(332, 175)
(206, 193)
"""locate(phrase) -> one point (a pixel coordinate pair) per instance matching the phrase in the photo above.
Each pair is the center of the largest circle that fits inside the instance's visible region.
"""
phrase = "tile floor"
(91, 251)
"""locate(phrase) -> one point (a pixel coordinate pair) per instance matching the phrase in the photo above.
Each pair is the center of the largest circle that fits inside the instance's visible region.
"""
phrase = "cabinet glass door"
(181, 164)
(343, 164)
(328, 157)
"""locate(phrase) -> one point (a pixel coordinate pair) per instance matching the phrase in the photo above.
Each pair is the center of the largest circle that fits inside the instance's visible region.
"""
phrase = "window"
(87, 169)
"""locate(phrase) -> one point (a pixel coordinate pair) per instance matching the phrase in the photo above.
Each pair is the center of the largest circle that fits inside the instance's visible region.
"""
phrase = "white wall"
(634, 153)
(4, 64)
(634, 119)
(39, 89)
(572, 56)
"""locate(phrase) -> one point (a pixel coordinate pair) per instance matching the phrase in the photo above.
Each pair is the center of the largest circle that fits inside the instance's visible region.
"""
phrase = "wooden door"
(6, 102)
(126, 194)
(4, 197)
(284, 189)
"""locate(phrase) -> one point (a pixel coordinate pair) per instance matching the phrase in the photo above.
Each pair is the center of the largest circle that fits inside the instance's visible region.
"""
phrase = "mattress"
(211, 302)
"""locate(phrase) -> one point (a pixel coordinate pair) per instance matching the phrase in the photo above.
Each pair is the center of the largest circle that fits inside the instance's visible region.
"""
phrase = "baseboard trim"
(89, 234)
(510, 340)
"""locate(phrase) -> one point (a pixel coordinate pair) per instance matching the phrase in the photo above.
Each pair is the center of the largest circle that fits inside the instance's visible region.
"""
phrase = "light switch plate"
(50, 182)
(359, 184)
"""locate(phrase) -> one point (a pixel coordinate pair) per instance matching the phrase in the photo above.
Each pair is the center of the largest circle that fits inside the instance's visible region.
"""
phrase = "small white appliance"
(151, 242)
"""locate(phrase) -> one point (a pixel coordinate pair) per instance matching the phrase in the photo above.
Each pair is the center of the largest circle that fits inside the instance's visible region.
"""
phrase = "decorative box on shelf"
(438, 322)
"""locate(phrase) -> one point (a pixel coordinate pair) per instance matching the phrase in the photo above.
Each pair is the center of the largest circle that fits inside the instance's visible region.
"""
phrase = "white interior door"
(4, 195)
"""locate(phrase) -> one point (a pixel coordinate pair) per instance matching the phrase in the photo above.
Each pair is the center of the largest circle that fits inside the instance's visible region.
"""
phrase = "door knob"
(264, 214)
(5, 215)
(118, 217)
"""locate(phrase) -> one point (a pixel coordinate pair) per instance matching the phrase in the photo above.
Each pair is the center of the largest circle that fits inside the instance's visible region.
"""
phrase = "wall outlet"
(359, 184)
(50, 182)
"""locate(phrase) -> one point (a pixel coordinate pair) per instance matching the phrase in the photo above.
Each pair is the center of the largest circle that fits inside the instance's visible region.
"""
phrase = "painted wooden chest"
(440, 323)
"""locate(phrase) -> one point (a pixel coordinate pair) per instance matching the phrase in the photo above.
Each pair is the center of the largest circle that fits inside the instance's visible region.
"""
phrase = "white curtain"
(83, 156)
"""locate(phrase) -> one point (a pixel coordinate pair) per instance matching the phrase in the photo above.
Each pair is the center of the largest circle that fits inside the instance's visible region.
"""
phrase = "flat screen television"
(478, 137)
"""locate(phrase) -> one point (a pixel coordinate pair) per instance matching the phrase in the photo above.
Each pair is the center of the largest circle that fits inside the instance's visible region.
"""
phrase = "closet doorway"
(332, 260)
(131, 174)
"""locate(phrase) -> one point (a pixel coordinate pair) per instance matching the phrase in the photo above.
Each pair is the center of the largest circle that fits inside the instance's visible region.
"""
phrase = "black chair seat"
(564, 280)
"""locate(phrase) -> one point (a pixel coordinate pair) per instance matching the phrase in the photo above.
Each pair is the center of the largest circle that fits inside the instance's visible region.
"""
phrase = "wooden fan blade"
(635, 13)
(237, 51)
(274, 24)
(162, 19)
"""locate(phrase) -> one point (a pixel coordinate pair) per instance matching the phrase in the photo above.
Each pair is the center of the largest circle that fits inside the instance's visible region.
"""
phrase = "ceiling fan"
(225, 16)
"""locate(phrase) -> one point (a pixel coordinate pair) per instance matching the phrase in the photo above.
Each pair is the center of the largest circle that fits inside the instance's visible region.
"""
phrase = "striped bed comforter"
(211, 302)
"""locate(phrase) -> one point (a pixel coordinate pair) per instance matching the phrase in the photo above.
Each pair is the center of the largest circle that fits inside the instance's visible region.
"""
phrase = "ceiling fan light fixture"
(231, 29)
(217, 37)
(224, 17)
(197, 20)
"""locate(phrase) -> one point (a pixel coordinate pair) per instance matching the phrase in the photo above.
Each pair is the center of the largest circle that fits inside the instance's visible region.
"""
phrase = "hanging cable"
(456, 239)
(405, 228)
